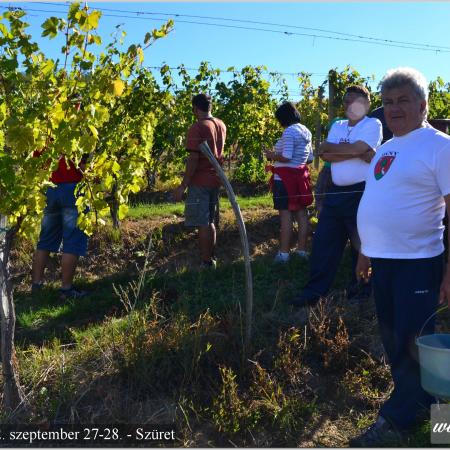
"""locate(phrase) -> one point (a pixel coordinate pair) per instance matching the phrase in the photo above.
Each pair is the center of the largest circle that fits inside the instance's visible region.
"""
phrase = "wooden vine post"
(13, 399)
(331, 95)
(318, 127)
(206, 151)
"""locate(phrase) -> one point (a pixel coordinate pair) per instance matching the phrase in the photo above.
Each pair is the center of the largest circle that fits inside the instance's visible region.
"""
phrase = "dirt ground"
(176, 246)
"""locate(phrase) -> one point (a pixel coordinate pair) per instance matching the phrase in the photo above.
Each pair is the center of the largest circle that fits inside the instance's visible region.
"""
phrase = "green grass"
(170, 209)
(144, 211)
(44, 315)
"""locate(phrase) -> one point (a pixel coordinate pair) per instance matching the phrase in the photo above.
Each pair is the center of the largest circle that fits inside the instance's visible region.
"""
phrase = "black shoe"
(72, 293)
(211, 264)
(301, 301)
(379, 434)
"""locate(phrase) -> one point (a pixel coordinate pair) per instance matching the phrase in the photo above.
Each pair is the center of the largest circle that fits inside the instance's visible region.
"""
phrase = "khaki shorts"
(201, 206)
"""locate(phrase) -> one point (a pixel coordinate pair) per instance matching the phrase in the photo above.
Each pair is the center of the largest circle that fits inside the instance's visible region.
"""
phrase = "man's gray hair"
(402, 76)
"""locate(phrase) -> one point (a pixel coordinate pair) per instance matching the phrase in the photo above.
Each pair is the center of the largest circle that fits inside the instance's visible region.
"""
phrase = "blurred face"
(356, 106)
(404, 111)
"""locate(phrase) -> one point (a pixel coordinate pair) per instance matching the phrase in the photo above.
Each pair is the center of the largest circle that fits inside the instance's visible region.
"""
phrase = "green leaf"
(93, 18)
(135, 188)
(140, 55)
(115, 167)
(123, 209)
(94, 131)
(96, 39)
(50, 27)
(158, 34)
(5, 31)
(47, 67)
(118, 87)
(85, 65)
(132, 50)
(108, 181)
(74, 8)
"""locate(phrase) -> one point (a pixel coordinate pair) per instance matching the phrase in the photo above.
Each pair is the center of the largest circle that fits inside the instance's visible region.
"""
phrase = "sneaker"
(381, 433)
(302, 254)
(301, 300)
(281, 257)
(72, 292)
(211, 264)
(36, 287)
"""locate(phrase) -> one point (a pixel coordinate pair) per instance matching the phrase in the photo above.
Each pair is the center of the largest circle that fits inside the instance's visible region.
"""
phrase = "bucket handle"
(442, 308)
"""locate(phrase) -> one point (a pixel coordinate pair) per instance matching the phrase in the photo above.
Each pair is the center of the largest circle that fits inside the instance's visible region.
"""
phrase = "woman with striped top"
(290, 182)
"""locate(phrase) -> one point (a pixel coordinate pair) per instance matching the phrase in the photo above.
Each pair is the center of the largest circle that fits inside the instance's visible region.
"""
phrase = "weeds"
(289, 360)
(230, 413)
(329, 337)
(277, 403)
(369, 381)
(131, 294)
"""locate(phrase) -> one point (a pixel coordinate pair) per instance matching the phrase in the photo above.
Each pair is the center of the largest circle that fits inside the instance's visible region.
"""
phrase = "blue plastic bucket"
(434, 360)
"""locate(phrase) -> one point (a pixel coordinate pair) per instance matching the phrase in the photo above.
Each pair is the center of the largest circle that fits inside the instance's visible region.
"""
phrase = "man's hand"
(362, 146)
(444, 294)
(343, 151)
(363, 268)
(177, 193)
(351, 150)
(368, 156)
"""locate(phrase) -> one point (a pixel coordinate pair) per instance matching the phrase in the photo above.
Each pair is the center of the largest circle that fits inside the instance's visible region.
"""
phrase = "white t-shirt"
(351, 171)
(401, 211)
(294, 144)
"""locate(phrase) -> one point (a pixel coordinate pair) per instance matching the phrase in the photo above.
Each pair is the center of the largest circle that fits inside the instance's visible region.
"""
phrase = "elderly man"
(349, 147)
(400, 226)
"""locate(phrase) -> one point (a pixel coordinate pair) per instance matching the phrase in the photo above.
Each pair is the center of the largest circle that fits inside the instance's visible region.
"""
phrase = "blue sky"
(409, 22)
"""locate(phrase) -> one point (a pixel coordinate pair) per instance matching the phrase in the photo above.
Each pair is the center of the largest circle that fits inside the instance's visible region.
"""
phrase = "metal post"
(206, 151)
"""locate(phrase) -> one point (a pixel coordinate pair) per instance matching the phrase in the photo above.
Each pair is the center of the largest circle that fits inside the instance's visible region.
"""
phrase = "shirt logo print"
(382, 166)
